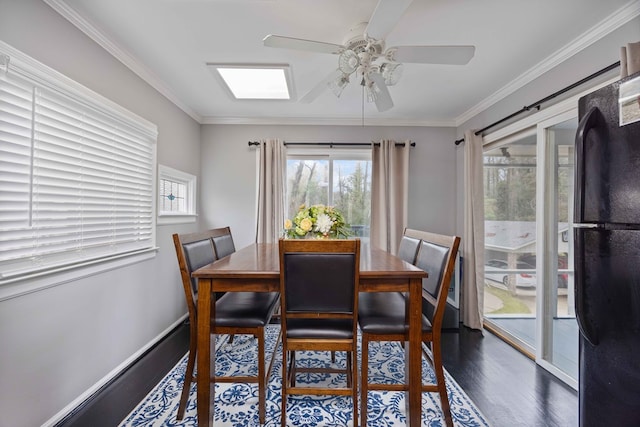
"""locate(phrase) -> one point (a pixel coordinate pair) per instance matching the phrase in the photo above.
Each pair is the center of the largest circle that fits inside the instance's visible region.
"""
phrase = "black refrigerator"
(607, 255)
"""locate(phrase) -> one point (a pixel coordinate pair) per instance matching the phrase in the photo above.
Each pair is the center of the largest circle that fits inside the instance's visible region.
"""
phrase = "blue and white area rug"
(237, 403)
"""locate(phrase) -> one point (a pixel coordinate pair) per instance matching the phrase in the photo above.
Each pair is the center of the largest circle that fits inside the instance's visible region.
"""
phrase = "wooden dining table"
(256, 268)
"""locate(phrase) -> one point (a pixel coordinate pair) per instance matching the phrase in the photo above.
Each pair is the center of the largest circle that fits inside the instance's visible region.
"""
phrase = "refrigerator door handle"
(588, 122)
(584, 325)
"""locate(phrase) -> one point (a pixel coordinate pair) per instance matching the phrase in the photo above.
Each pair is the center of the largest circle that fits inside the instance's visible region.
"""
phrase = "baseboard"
(94, 390)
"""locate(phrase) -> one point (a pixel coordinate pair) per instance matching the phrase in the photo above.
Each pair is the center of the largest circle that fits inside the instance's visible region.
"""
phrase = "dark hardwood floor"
(509, 388)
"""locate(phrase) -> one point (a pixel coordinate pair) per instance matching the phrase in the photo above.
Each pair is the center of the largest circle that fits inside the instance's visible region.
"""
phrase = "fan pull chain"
(363, 105)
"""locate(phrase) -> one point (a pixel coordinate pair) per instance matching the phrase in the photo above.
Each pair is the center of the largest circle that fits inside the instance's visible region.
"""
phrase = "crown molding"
(318, 121)
(92, 31)
(595, 33)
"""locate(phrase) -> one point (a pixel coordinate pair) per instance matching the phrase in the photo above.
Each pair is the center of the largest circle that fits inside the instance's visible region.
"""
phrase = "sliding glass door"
(529, 281)
(558, 330)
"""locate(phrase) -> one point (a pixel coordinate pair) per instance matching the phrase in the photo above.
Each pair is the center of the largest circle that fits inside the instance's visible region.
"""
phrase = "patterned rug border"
(238, 401)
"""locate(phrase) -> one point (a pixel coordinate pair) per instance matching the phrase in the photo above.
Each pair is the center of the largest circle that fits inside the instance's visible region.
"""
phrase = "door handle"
(587, 331)
(588, 122)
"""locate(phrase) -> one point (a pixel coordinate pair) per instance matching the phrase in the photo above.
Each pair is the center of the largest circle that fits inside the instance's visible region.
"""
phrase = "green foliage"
(510, 304)
(354, 194)
(510, 192)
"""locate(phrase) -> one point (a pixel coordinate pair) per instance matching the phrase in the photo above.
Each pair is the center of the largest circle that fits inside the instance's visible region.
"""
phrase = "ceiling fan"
(364, 56)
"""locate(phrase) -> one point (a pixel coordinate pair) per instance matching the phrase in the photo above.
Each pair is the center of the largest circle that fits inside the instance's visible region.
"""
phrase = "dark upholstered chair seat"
(245, 309)
(384, 313)
(320, 328)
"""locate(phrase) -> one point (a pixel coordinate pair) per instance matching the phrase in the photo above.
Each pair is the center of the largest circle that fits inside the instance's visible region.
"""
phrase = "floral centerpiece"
(317, 221)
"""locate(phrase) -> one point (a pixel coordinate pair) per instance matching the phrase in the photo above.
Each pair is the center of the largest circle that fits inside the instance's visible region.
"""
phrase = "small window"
(176, 196)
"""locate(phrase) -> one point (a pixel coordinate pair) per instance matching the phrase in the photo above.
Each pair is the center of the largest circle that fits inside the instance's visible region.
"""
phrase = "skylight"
(255, 81)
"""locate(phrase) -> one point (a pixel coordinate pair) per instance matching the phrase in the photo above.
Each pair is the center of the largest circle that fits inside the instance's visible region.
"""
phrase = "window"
(176, 196)
(76, 174)
(341, 178)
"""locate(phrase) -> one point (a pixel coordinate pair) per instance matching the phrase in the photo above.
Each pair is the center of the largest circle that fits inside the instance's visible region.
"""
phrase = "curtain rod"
(332, 144)
(537, 104)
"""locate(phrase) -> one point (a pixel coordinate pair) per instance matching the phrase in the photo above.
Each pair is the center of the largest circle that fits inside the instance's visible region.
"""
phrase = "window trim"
(14, 61)
(191, 182)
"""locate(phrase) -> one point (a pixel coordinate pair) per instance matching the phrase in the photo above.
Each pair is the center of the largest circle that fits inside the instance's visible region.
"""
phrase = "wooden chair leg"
(349, 370)
(285, 378)
(442, 387)
(354, 385)
(262, 380)
(333, 357)
(364, 385)
(188, 375)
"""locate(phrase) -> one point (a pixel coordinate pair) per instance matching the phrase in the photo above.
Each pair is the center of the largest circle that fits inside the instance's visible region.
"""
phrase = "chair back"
(195, 250)
(223, 243)
(318, 278)
(408, 249)
(436, 256)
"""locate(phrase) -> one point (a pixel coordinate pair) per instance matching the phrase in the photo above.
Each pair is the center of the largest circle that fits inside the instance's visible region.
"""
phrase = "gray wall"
(57, 343)
(229, 171)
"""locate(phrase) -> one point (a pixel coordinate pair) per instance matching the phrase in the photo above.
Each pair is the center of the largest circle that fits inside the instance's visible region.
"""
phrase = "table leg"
(205, 387)
(413, 354)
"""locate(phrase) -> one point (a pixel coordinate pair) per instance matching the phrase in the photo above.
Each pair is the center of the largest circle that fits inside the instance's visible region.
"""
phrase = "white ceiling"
(169, 42)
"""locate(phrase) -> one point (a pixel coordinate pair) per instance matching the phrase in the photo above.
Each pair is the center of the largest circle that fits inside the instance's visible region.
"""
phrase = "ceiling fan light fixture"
(392, 72)
(364, 53)
(337, 85)
(348, 61)
(372, 91)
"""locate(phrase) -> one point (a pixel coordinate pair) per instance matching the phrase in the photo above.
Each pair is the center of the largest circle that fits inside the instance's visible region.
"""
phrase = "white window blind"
(76, 177)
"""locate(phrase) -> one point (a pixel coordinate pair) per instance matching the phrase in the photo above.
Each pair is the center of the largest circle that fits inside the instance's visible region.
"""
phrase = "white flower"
(323, 223)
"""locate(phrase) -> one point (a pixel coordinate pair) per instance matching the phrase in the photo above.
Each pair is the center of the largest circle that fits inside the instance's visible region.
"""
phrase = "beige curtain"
(271, 191)
(389, 194)
(473, 248)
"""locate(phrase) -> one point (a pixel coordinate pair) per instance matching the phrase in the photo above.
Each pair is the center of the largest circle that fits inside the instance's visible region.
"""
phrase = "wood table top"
(261, 260)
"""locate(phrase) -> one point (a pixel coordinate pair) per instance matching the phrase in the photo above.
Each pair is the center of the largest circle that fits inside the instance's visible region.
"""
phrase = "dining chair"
(382, 317)
(319, 300)
(235, 313)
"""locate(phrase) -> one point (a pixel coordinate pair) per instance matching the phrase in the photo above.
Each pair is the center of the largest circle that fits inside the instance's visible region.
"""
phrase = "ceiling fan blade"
(383, 98)
(385, 16)
(454, 55)
(320, 87)
(301, 44)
